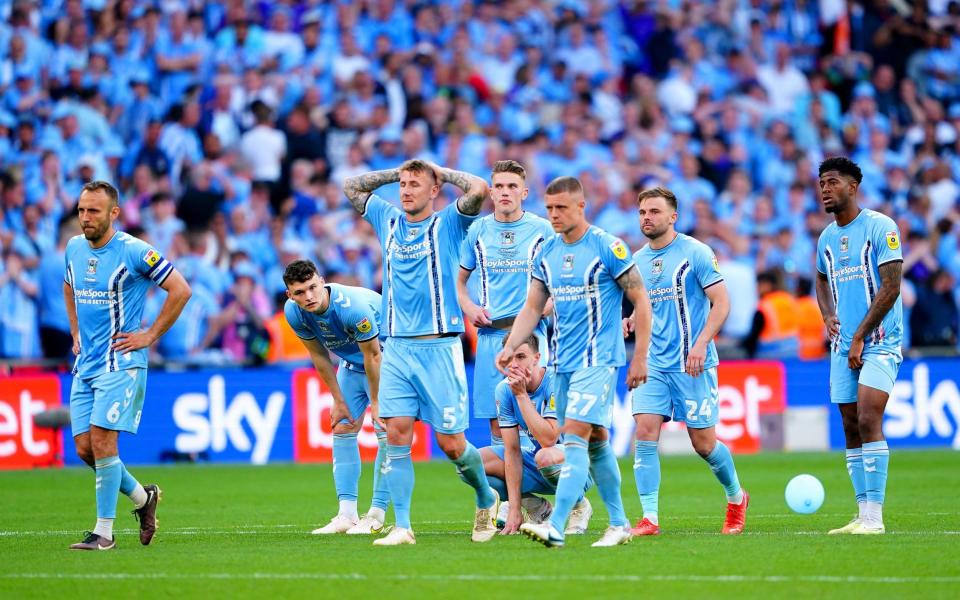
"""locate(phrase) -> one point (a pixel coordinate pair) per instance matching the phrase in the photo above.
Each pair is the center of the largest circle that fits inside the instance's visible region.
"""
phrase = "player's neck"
(664, 240)
(104, 240)
(537, 379)
(422, 215)
(574, 235)
(847, 215)
(510, 217)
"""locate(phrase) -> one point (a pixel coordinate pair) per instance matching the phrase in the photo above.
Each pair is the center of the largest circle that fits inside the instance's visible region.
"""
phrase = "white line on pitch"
(851, 579)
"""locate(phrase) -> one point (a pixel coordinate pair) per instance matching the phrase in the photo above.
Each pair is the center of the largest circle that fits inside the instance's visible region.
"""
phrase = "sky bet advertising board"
(276, 414)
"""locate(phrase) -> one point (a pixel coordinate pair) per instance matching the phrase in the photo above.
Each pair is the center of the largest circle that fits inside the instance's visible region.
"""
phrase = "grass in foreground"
(241, 531)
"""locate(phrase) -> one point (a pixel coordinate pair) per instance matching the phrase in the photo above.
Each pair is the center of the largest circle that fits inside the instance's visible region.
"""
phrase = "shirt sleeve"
(67, 268)
(360, 322)
(706, 267)
(292, 313)
(886, 239)
(821, 262)
(536, 265)
(504, 398)
(149, 262)
(550, 407)
(615, 256)
(457, 223)
(378, 213)
(468, 258)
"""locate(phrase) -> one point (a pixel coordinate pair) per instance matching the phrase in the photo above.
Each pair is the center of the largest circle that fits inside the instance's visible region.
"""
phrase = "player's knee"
(704, 447)
(869, 425)
(453, 447)
(341, 428)
(86, 455)
(547, 457)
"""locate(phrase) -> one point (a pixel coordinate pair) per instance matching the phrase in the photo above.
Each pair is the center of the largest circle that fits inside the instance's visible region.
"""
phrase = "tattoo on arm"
(630, 280)
(474, 190)
(358, 189)
(890, 276)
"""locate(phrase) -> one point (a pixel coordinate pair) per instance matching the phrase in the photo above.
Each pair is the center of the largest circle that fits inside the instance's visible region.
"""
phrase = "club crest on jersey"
(413, 232)
(844, 244)
(92, 266)
(567, 262)
(364, 326)
(893, 240)
(152, 258)
(619, 249)
(507, 238)
(657, 266)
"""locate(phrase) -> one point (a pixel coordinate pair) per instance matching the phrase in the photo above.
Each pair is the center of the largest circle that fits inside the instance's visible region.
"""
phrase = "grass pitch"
(240, 531)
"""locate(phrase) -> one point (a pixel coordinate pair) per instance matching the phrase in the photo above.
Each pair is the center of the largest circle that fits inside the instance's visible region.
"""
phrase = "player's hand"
(637, 374)
(627, 326)
(854, 357)
(76, 346)
(518, 378)
(375, 414)
(504, 357)
(340, 413)
(832, 323)
(695, 360)
(514, 520)
(477, 315)
(133, 340)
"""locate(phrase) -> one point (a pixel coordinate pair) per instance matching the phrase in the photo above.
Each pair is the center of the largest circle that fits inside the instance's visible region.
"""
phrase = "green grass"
(240, 531)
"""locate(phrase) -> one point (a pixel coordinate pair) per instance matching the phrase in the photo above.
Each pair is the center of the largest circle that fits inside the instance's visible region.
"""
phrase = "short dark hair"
(299, 271)
(415, 165)
(531, 340)
(563, 184)
(842, 165)
(658, 192)
(509, 166)
(106, 187)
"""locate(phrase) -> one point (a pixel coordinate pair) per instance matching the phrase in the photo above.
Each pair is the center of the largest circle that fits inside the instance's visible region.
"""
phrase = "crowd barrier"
(282, 414)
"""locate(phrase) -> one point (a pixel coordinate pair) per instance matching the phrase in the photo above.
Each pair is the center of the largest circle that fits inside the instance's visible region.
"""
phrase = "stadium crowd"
(230, 126)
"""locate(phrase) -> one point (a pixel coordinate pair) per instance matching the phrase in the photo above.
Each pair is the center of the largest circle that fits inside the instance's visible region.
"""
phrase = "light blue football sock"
(499, 485)
(381, 491)
(398, 471)
(128, 482)
(646, 472)
(573, 475)
(876, 461)
(855, 470)
(346, 466)
(606, 474)
(721, 463)
(470, 469)
(109, 474)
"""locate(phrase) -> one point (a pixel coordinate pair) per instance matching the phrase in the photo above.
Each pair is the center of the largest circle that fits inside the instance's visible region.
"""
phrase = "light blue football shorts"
(586, 395)
(109, 400)
(879, 371)
(426, 379)
(679, 397)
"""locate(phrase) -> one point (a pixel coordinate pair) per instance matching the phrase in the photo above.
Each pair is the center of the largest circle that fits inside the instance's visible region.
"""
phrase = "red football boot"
(645, 527)
(736, 516)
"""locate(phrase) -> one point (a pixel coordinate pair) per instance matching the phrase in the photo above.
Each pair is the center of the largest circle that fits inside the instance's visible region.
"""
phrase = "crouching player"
(525, 402)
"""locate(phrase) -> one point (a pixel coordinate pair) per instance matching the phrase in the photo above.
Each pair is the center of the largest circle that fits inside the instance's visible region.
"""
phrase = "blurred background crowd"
(230, 125)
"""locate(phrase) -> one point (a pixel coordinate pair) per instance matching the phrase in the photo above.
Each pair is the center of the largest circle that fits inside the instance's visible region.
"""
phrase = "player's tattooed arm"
(631, 283)
(891, 274)
(827, 309)
(357, 189)
(475, 189)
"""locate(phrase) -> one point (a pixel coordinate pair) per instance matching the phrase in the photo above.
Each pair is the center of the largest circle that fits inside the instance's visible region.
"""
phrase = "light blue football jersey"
(676, 277)
(582, 279)
(420, 266)
(110, 285)
(508, 410)
(352, 316)
(850, 257)
(500, 255)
